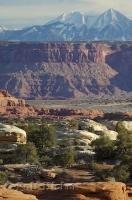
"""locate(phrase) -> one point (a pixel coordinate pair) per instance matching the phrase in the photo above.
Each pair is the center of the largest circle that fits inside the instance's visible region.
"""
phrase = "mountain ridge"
(109, 26)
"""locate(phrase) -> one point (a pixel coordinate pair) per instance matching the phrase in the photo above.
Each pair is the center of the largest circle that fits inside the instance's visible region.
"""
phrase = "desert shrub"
(119, 150)
(46, 160)
(121, 173)
(73, 124)
(3, 178)
(120, 128)
(103, 175)
(104, 148)
(65, 158)
(25, 154)
(30, 173)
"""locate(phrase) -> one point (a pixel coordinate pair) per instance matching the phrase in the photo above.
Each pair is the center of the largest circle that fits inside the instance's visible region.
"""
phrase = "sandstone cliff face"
(65, 70)
(30, 53)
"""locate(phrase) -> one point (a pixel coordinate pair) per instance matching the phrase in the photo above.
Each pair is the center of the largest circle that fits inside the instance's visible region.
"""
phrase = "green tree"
(69, 157)
(104, 148)
(124, 153)
(65, 158)
(26, 154)
(43, 138)
(124, 146)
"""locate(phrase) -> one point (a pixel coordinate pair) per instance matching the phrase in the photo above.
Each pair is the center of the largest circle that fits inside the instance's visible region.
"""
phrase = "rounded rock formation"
(10, 134)
(91, 126)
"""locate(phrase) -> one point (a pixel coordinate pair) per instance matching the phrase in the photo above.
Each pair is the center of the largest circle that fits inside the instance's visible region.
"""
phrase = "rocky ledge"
(82, 191)
(9, 194)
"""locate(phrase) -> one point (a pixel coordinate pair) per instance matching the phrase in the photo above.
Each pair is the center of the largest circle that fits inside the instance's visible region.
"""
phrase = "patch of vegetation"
(104, 148)
(45, 150)
(3, 178)
(119, 152)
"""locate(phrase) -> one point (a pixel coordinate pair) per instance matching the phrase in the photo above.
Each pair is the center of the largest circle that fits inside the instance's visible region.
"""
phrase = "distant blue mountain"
(75, 26)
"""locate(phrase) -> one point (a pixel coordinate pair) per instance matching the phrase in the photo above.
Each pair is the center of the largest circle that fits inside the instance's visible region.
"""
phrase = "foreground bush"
(3, 178)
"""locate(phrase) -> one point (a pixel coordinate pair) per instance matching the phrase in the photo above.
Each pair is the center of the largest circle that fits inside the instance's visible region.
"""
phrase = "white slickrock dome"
(12, 134)
(90, 125)
(87, 135)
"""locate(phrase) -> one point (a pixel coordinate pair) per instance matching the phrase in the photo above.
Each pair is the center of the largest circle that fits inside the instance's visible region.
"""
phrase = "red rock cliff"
(66, 70)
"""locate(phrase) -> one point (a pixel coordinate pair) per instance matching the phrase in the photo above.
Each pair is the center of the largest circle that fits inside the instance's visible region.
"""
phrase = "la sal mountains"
(62, 59)
(75, 26)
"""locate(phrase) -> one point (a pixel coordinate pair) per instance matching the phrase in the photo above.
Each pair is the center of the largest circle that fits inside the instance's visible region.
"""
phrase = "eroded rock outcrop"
(13, 107)
(77, 191)
(7, 100)
(71, 113)
(106, 191)
(8, 194)
(82, 191)
(97, 129)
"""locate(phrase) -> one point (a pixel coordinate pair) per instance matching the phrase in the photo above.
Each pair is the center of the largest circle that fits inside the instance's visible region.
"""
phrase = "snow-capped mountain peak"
(76, 26)
(112, 14)
(75, 17)
(109, 17)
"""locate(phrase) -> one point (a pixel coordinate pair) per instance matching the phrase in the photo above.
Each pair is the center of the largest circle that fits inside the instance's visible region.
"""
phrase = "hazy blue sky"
(23, 12)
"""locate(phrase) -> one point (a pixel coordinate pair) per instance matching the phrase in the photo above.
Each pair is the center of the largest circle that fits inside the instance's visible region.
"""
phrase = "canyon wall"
(66, 70)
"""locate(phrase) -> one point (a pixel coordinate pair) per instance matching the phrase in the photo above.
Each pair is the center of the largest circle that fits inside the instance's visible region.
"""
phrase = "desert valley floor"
(105, 106)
